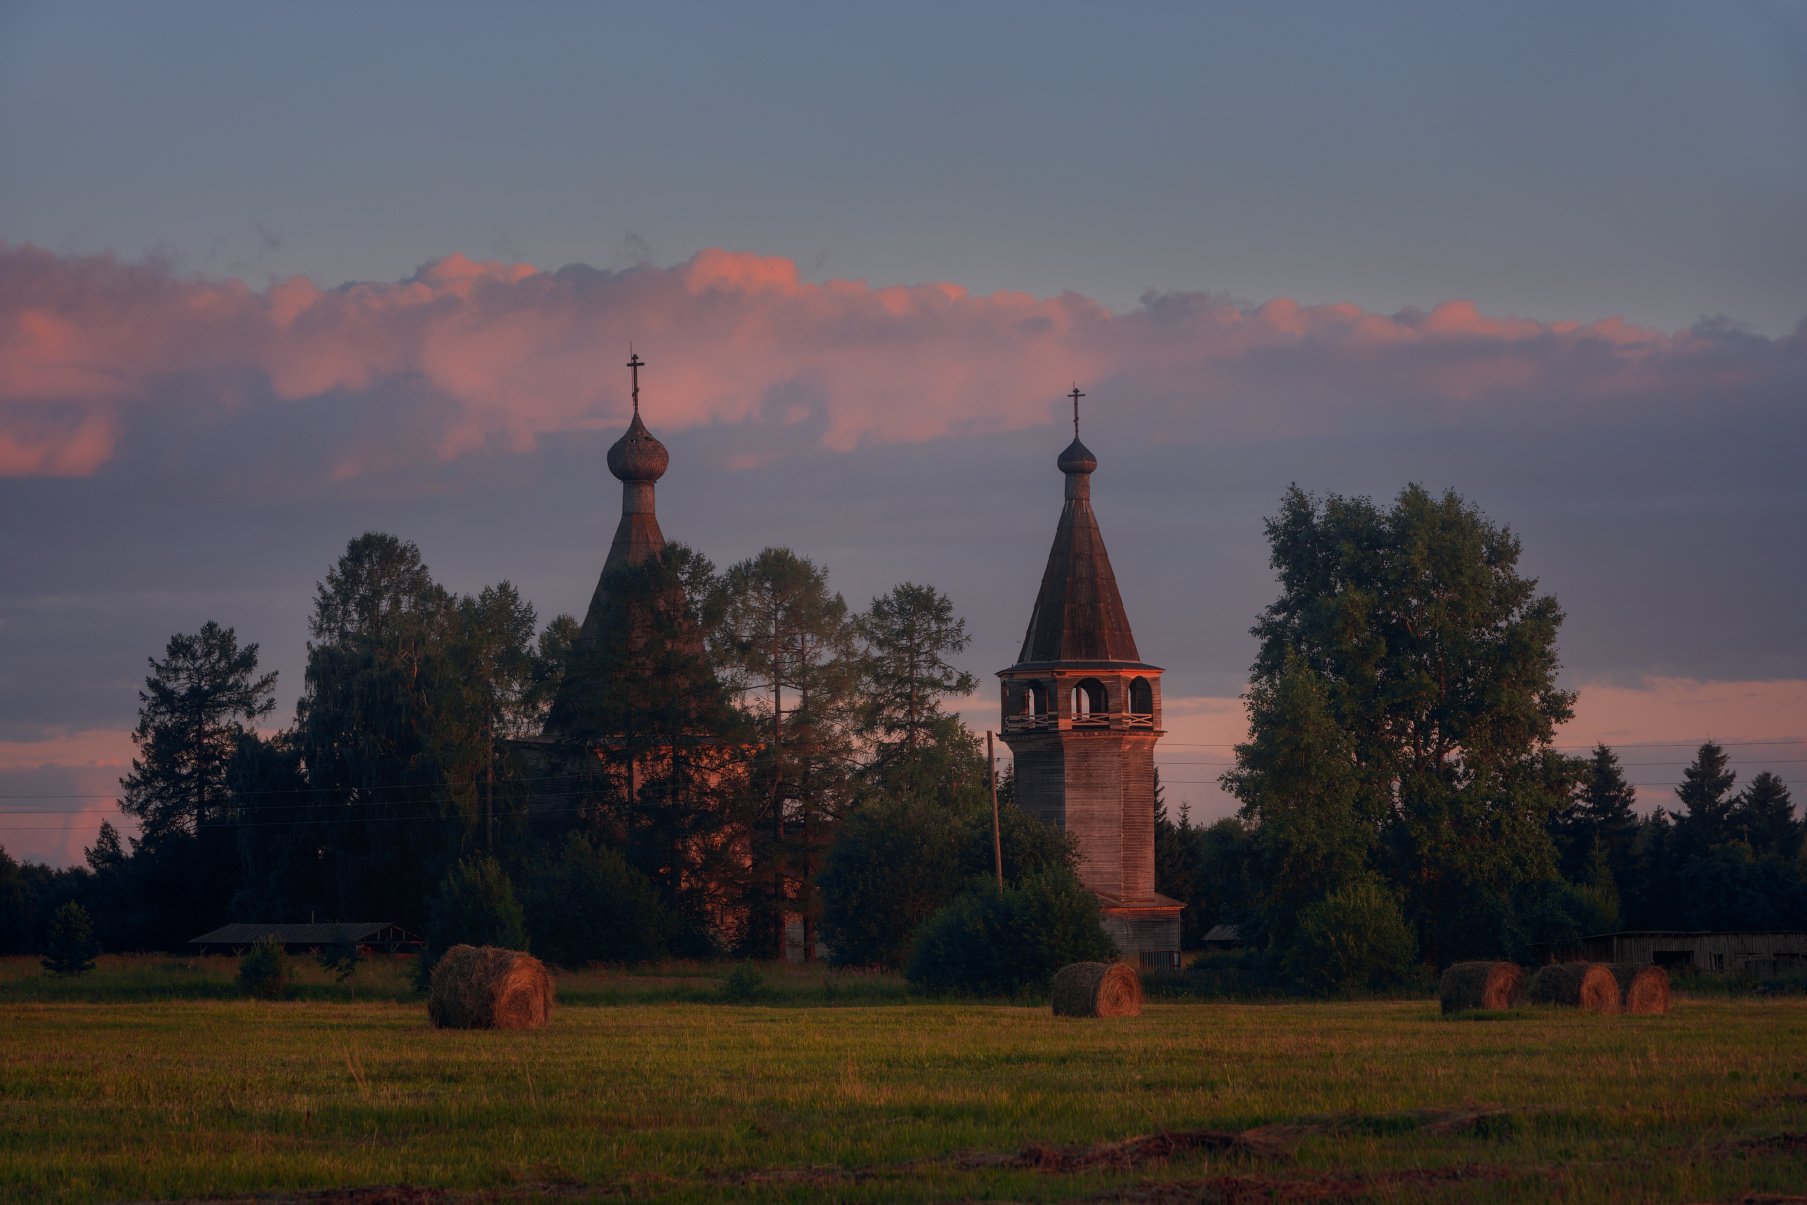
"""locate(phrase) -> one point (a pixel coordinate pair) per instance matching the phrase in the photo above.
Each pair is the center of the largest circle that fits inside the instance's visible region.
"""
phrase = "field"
(149, 1080)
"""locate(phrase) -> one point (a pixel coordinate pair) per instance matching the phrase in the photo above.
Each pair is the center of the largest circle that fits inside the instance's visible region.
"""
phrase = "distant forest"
(741, 748)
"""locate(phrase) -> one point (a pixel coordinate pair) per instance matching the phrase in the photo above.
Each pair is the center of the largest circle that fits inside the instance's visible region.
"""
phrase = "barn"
(311, 938)
(1755, 953)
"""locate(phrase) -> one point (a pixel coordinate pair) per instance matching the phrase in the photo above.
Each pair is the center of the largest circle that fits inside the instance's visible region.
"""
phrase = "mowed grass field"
(652, 1096)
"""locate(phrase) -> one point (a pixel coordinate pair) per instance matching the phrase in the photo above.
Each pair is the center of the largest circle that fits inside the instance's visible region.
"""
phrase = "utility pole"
(997, 838)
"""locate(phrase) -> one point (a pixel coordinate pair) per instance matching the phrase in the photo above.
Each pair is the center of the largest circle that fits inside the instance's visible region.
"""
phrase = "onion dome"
(637, 456)
(1076, 459)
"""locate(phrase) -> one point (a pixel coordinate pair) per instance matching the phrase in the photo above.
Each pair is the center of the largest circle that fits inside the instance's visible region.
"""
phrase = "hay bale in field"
(1643, 989)
(1490, 986)
(482, 987)
(1589, 986)
(1097, 989)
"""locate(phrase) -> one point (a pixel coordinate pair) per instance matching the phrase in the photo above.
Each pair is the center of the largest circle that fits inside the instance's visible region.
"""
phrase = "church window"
(1141, 697)
(1089, 700)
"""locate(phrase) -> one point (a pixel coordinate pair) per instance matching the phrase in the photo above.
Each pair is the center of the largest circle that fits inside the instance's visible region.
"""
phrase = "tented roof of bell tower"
(1078, 614)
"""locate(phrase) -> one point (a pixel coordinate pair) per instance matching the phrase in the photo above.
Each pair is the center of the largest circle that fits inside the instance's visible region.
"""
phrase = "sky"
(271, 277)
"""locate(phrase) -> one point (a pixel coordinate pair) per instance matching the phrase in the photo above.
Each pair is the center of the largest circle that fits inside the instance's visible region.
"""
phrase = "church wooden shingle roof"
(1078, 614)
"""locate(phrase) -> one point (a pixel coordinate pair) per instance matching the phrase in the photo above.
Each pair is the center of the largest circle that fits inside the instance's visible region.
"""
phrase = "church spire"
(637, 460)
(1079, 612)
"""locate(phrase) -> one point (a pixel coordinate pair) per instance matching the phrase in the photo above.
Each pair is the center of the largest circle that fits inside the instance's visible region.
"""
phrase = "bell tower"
(1082, 713)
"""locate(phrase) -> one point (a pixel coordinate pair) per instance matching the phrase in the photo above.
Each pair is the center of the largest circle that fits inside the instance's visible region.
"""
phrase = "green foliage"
(263, 972)
(991, 943)
(13, 937)
(584, 904)
(744, 985)
(1405, 688)
(69, 947)
(1763, 817)
(670, 792)
(917, 751)
(475, 905)
(892, 864)
(1707, 802)
(341, 957)
(788, 644)
(1354, 939)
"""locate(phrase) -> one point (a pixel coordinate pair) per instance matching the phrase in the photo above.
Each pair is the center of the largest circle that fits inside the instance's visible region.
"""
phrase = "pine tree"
(789, 638)
(1606, 807)
(916, 750)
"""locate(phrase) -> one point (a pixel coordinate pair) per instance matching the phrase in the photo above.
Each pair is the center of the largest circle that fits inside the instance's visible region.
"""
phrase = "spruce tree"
(1763, 817)
(70, 946)
(1706, 799)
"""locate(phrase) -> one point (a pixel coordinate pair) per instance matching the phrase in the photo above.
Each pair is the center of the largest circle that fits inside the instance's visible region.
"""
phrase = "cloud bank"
(484, 356)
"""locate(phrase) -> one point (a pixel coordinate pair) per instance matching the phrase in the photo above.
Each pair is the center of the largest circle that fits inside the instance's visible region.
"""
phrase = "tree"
(1316, 822)
(196, 703)
(1707, 802)
(915, 749)
(1427, 666)
(69, 948)
(585, 904)
(1354, 939)
(992, 943)
(475, 905)
(643, 694)
(789, 640)
(1763, 816)
(1601, 817)
(892, 865)
(12, 905)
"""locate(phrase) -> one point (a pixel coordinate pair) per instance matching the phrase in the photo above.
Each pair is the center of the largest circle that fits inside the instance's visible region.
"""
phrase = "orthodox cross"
(1076, 395)
(635, 363)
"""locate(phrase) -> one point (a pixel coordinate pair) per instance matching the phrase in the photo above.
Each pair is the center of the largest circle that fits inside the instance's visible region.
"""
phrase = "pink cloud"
(503, 355)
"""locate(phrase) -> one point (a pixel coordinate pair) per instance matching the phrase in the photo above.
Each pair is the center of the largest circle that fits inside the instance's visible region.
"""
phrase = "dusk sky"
(271, 277)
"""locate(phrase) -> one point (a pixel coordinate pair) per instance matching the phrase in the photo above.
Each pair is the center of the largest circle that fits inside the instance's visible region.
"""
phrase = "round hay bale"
(1490, 986)
(1643, 989)
(482, 987)
(1589, 986)
(1097, 989)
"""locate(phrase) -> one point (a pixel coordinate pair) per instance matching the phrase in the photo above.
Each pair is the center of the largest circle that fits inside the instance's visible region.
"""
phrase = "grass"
(192, 1095)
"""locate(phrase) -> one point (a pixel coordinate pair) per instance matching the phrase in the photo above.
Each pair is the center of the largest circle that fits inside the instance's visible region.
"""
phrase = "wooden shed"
(1757, 953)
(379, 935)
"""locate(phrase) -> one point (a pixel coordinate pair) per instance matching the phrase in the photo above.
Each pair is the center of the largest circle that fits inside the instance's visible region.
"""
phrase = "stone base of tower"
(1148, 932)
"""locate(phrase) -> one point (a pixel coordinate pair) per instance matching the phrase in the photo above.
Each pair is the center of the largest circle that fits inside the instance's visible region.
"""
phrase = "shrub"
(995, 943)
(744, 985)
(264, 970)
(889, 869)
(586, 904)
(1354, 939)
(895, 863)
(71, 947)
(341, 957)
(475, 906)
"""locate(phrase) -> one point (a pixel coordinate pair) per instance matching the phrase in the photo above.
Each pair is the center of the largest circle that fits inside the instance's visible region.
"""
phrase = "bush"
(264, 970)
(744, 985)
(70, 948)
(1354, 939)
(896, 862)
(890, 867)
(341, 957)
(1002, 944)
(586, 904)
(475, 906)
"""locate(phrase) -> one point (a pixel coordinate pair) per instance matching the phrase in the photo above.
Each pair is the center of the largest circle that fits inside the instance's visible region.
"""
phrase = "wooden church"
(1082, 713)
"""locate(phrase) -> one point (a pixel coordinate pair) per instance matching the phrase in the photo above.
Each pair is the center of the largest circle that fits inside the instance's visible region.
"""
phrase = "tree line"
(1402, 800)
(729, 721)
